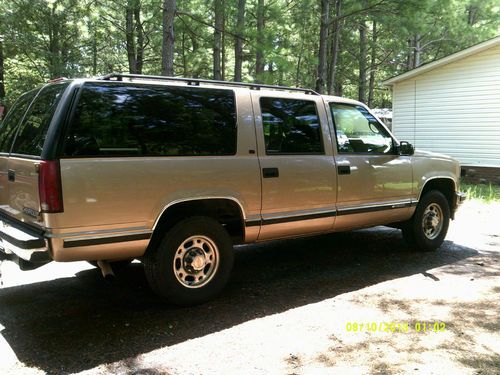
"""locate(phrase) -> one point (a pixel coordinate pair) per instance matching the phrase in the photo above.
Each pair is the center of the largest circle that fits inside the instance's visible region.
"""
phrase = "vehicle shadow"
(73, 324)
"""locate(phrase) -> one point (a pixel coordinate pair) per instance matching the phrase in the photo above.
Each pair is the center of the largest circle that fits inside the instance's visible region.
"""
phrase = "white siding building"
(452, 105)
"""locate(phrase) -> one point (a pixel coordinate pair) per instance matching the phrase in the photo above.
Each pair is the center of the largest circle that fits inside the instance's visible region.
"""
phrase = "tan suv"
(175, 171)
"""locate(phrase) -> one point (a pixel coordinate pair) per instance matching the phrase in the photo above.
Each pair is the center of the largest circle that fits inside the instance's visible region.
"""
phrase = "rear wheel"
(426, 230)
(193, 262)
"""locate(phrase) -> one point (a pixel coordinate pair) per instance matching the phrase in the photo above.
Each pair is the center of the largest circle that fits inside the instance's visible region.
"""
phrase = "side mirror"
(406, 148)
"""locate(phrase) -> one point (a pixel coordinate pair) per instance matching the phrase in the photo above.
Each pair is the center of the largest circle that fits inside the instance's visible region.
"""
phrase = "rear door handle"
(270, 172)
(344, 169)
(11, 175)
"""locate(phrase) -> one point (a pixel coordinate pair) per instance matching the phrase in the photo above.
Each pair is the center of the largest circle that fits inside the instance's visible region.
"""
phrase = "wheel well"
(225, 211)
(446, 186)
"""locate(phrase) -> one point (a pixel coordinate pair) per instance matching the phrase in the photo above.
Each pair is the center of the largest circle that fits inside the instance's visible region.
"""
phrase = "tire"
(193, 262)
(426, 230)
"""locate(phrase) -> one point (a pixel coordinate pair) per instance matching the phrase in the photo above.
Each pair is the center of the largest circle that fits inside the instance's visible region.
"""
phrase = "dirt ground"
(292, 307)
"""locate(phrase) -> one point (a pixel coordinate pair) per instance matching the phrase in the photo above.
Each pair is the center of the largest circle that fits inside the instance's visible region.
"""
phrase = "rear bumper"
(23, 241)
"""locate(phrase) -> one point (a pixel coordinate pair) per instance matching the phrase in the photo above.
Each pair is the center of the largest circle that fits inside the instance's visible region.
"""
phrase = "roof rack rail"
(197, 81)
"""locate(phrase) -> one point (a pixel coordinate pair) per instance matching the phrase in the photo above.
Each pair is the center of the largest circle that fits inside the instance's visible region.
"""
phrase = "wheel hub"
(432, 221)
(194, 260)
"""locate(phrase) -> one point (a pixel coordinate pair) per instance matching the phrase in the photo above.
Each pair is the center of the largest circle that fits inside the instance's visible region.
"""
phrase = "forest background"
(340, 47)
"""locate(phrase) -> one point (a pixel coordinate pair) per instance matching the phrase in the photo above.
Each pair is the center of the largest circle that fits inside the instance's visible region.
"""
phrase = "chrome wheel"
(432, 221)
(196, 261)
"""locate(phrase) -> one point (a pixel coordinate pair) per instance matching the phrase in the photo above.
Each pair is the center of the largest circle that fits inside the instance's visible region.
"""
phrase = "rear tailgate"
(23, 201)
(19, 195)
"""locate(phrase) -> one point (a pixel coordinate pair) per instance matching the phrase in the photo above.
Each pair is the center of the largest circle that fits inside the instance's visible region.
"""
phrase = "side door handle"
(11, 175)
(344, 169)
(270, 172)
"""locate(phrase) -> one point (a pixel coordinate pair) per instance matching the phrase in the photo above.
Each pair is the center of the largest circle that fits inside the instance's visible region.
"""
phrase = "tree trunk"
(259, 56)
(362, 62)
(332, 68)
(94, 51)
(2, 76)
(140, 37)
(219, 21)
(167, 55)
(130, 40)
(223, 47)
(472, 13)
(409, 56)
(373, 67)
(299, 62)
(184, 58)
(55, 68)
(134, 36)
(339, 88)
(416, 51)
(323, 45)
(238, 44)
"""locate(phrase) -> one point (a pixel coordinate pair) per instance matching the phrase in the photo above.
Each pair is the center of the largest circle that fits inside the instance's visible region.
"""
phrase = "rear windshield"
(33, 129)
(10, 123)
(138, 120)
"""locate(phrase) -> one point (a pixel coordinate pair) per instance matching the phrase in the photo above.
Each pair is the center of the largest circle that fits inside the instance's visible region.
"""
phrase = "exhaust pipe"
(106, 270)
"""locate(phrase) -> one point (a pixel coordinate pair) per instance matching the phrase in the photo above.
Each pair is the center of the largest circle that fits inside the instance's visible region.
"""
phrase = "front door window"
(358, 131)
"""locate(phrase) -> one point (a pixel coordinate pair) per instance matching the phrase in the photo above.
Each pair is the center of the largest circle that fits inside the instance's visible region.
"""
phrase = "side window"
(11, 122)
(135, 120)
(32, 132)
(291, 126)
(358, 131)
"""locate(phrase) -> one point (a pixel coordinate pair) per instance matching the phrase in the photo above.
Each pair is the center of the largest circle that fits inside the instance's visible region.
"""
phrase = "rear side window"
(135, 120)
(291, 126)
(31, 135)
(10, 123)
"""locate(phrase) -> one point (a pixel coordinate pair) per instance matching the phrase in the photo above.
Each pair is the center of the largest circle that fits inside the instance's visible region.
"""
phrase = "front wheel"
(426, 230)
(192, 263)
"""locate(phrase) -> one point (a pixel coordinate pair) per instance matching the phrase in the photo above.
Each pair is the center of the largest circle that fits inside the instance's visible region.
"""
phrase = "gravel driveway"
(290, 308)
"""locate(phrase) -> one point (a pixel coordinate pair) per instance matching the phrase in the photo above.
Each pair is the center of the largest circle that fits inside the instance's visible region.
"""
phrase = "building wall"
(453, 109)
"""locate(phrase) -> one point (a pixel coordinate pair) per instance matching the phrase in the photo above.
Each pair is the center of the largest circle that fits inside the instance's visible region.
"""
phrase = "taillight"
(50, 187)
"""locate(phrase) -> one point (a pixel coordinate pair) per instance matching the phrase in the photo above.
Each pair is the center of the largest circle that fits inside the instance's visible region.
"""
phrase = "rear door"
(20, 197)
(297, 165)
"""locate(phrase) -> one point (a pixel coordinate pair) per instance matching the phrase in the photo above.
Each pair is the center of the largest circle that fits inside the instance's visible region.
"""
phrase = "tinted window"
(32, 132)
(10, 123)
(118, 120)
(291, 126)
(358, 131)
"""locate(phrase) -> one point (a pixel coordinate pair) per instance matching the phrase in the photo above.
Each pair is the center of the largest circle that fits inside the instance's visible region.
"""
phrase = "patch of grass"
(487, 193)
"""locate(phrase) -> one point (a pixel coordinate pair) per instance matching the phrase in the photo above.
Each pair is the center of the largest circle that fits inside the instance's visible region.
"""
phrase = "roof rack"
(197, 81)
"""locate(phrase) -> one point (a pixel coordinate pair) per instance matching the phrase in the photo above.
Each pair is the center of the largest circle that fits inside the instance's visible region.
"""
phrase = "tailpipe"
(106, 270)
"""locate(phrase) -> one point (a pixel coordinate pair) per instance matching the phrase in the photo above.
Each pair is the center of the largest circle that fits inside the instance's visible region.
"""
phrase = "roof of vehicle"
(181, 81)
(339, 99)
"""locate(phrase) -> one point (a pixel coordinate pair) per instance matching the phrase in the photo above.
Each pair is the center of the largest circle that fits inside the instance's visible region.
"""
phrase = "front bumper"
(23, 241)
(459, 198)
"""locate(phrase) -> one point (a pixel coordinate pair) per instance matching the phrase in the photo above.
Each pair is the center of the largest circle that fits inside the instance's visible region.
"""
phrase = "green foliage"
(44, 39)
(486, 193)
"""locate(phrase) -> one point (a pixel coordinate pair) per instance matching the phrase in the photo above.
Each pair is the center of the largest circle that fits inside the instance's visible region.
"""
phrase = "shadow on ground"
(73, 324)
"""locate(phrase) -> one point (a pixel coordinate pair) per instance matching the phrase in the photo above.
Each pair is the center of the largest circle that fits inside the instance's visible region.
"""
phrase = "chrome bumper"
(22, 241)
(459, 198)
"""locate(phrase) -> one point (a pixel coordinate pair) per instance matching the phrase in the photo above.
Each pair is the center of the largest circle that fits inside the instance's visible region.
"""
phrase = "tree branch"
(193, 17)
